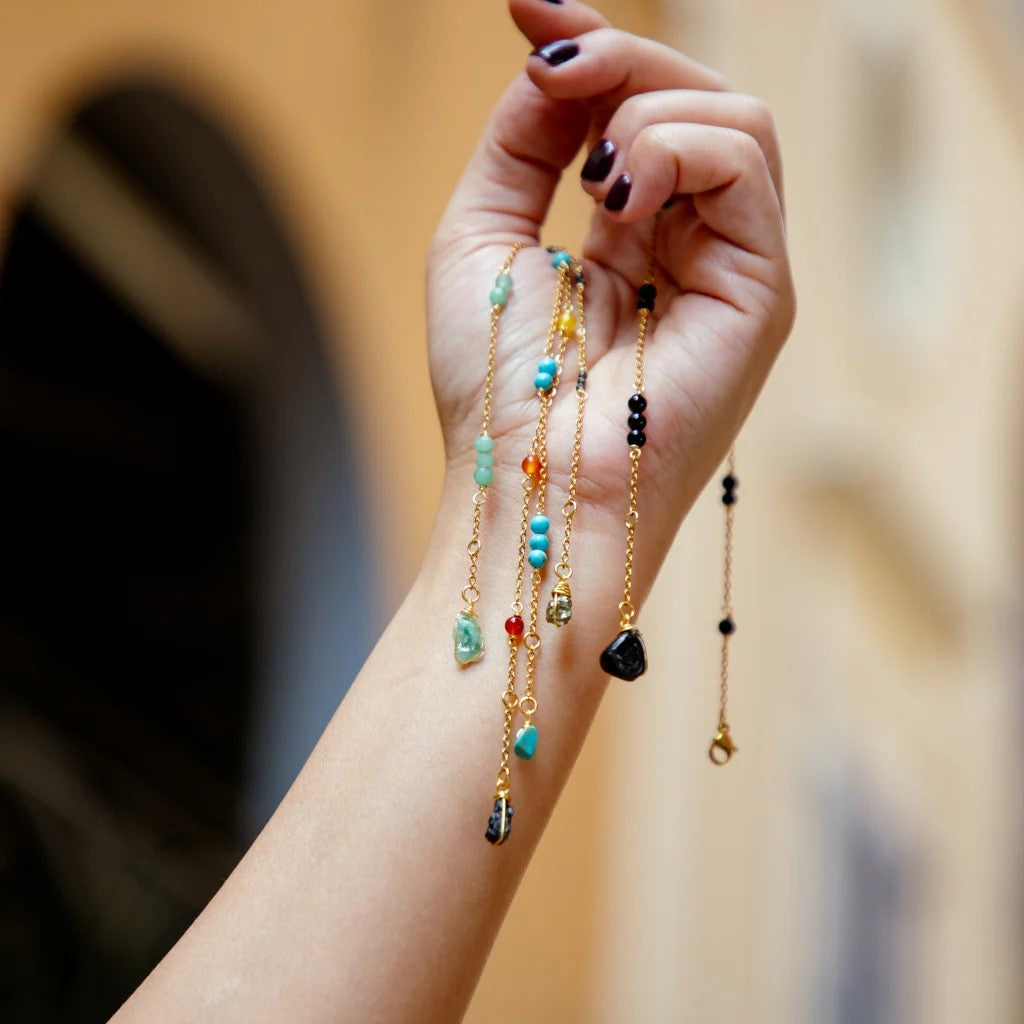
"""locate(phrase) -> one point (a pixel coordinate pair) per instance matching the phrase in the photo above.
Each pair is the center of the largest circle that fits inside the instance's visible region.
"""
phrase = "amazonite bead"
(538, 559)
(539, 542)
(468, 639)
(484, 443)
(543, 381)
(503, 281)
(484, 460)
(499, 297)
(483, 476)
(548, 365)
(540, 524)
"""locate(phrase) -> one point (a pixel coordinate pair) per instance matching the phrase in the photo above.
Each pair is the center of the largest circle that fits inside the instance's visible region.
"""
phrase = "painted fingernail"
(600, 161)
(556, 1)
(557, 52)
(618, 194)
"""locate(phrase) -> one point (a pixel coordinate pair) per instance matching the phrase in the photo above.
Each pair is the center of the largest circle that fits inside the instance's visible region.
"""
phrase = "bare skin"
(371, 895)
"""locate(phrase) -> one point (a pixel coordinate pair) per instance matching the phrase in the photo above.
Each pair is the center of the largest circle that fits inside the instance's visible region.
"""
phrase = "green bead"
(526, 742)
(484, 443)
(503, 281)
(484, 476)
(485, 459)
(469, 641)
(499, 297)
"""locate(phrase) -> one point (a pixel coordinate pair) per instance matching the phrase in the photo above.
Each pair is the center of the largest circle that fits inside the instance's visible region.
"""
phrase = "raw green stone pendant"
(469, 641)
(526, 742)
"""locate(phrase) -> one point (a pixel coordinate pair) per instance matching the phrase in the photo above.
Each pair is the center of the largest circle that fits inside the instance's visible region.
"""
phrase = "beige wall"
(878, 541)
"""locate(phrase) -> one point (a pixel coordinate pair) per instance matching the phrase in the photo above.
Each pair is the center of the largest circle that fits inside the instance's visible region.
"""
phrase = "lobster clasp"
(722, 747)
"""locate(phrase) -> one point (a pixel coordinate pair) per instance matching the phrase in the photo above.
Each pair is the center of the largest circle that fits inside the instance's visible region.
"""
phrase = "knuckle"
(757, 117)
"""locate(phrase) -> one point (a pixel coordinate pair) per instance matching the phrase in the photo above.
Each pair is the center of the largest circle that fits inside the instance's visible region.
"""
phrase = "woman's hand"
(659, 127)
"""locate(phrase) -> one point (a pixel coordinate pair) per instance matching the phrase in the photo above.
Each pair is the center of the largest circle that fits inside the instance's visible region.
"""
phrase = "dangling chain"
(722, 747)
(534, 541)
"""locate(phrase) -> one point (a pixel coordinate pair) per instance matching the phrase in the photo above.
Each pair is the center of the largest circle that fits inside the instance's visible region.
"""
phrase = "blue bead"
(538, 559)
(484, 443)
(539, 542)
(485, 460)
(499, 297)
(543, 381)
(483, 476)
(548, 365)
(526, 742)
(561, 259)
(540, 524)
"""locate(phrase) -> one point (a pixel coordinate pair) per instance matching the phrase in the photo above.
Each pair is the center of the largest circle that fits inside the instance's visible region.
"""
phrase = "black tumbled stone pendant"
(625, 657)
(500, 822)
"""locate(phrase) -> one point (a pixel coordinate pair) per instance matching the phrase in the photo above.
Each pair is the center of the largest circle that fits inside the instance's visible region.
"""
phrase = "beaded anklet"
(466, 633)
(534, 545)
(625, 657)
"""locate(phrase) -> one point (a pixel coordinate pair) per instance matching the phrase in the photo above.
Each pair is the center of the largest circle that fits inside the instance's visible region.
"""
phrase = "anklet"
(466, 633)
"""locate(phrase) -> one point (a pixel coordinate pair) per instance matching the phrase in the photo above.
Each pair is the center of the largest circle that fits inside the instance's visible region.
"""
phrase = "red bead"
(514, 626)
(532, 465)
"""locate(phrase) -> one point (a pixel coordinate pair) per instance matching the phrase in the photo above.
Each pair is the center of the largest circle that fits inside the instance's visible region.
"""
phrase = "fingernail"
(556, 1)
(600, 161)
(618, 194)
(557, 52)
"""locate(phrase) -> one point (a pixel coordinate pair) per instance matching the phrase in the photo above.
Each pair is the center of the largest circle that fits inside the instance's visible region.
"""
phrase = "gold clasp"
(722, 747)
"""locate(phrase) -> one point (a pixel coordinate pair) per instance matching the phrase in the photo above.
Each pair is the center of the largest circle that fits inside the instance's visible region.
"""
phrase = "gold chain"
(722, 747)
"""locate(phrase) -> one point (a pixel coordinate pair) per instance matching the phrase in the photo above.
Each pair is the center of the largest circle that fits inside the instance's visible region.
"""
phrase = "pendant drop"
(468, 639)
(625, 657)
(560, 606)
(500, 822)
(526, 742)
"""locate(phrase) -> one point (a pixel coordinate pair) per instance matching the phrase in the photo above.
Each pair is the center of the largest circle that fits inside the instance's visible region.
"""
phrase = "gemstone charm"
(526, 742)
(560, 606)
(625, 657)
(469, 641)
(500, 822)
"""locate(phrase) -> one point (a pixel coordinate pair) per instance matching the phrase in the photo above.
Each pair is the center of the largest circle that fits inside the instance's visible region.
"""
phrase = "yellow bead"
(567, 324)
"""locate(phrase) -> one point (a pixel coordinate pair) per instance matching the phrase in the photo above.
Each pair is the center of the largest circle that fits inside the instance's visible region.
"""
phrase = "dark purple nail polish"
(600, 161)
(557, 52)
(556, 1)
(618, 194)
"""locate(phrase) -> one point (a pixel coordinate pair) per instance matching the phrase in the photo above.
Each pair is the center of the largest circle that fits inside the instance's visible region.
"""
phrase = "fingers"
(615, 65)
(607, 160)
(543, 21)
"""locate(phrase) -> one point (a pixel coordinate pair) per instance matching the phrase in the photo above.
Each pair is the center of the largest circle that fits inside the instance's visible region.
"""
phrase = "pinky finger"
(725, 171)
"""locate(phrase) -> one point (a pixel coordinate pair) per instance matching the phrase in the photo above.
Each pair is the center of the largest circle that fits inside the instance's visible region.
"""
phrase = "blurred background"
(220, 458)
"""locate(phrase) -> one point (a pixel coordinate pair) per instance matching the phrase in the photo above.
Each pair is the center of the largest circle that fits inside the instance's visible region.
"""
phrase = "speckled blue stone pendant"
(467, 637)
(500, 822)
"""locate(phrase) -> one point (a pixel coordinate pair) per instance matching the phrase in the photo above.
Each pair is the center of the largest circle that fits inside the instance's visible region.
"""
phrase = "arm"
(372, 895)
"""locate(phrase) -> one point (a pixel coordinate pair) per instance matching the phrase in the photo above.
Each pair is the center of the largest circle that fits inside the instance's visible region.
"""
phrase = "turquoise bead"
(468, 639)
(484, 443)
(548, 365)
(503, 281)
(540, 524)
(485, 460)
(526, 742)
(539, 542)
(483, 476)
(499, 297)
(543, 381)
(561, 259)
(538, 559)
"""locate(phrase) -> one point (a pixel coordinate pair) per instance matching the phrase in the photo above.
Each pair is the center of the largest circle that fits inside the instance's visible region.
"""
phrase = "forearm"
(372, 893)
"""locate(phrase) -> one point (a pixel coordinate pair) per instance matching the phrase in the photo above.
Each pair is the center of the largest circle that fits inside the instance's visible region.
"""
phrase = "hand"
(725, 295)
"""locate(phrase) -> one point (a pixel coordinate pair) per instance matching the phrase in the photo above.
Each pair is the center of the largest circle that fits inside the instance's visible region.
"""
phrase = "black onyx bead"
(637, 421)
(727, 627)
(729, 498)
(636, 438)
(730, 483)
(645, 296)
(494, 833)
(637, 403)
(625, 657)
